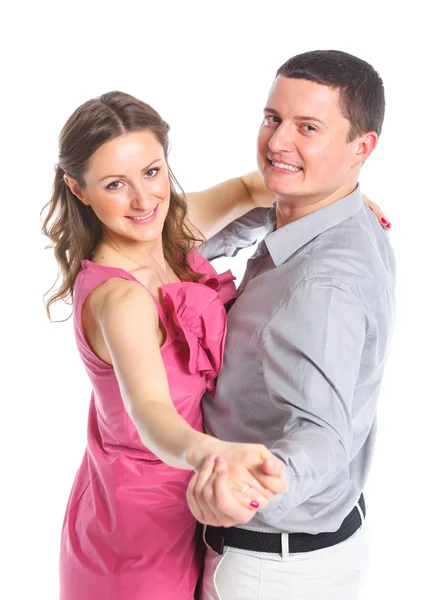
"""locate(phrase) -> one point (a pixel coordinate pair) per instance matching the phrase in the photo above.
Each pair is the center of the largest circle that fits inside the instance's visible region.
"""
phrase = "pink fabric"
(128, 533)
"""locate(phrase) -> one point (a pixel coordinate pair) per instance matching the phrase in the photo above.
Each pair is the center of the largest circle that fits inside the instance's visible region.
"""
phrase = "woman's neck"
(130, 254)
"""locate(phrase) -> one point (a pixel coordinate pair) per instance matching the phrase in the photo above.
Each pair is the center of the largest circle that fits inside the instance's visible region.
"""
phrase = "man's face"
(303, 152)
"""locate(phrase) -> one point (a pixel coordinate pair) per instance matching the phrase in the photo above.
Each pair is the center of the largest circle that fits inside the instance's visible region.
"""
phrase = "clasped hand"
(231, 486)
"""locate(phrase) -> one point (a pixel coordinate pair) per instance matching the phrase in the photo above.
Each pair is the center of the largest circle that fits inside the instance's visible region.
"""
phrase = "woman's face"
(127, 186)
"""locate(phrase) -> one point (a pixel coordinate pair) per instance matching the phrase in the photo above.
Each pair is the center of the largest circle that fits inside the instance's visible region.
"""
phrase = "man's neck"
(292, 208)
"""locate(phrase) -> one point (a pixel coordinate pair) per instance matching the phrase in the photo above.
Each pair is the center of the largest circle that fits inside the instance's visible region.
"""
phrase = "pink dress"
(128, 533)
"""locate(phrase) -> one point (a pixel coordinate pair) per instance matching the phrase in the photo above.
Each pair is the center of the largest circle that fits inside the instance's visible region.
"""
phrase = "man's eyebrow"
(272, 111)
(308, 118)
(119, 176)
(268, 109)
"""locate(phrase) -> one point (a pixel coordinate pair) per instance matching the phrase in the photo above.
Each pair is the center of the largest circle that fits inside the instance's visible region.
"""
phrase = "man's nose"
(283, 139)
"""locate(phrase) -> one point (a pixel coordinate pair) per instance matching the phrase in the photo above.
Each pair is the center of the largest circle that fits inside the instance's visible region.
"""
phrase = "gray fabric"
(240, 234)
(306, 346)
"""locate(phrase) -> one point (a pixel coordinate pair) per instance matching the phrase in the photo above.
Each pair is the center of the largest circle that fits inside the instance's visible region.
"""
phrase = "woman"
(150, 327)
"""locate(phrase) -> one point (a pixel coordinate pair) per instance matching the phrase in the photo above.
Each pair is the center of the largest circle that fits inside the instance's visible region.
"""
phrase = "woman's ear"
(75, 188)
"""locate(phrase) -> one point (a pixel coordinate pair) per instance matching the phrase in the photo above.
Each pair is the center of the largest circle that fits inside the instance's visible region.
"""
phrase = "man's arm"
(239, 234)
(311, 359)
(311, 353)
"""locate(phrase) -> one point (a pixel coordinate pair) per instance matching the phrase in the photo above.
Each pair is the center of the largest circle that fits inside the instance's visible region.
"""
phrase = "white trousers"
(333, 573)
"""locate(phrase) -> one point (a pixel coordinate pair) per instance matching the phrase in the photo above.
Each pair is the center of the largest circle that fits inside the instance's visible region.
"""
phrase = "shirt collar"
(283, 242)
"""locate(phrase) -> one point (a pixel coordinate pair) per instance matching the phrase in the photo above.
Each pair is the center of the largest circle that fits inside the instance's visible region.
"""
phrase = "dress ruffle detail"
(199, 320)
(223, 284)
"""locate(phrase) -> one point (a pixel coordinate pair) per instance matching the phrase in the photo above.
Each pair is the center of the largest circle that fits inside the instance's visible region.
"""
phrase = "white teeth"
(143, 218)
(284, 166)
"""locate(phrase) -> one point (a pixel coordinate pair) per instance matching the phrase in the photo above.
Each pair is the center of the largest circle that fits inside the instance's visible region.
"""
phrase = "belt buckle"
(215, 538)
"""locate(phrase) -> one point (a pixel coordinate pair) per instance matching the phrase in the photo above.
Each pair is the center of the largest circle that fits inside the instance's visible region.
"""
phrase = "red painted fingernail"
(371, 208)
(383, 221)
(254, 504)
(388, 226)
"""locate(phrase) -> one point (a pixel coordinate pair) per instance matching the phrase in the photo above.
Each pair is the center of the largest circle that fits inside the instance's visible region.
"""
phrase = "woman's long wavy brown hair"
(72, 227)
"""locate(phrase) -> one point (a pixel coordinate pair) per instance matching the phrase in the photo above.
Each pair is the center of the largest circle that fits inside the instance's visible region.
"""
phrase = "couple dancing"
(273, 456)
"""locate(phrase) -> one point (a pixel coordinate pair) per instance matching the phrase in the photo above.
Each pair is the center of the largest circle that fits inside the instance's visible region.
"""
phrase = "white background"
(206, 67)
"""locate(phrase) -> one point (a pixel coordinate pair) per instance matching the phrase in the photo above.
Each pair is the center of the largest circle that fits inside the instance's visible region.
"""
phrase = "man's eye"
(309, 128)
(271, 120)
(114, 185)
(152, 172)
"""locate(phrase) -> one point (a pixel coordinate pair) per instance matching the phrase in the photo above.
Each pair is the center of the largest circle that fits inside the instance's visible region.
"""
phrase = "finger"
(264, 495)
(269, 474)
(200, 508)
(205, 472)
(191, 500)
(224, 519)
(252, 476)
(273, 467)
(275, 485)
(220, 464)
(384, 222)
(251, 498)
(208, 492)
(207, 503)
(267, 485)
(231, 508)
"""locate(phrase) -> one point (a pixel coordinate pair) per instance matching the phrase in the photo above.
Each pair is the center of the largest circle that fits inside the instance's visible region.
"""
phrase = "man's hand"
(244, 464)
(214, 499)
(223, 493)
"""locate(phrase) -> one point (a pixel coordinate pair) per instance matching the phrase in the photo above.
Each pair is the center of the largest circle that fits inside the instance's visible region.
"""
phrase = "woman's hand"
(245, 465)
(214, 498)
(230, 488)
(377, 211)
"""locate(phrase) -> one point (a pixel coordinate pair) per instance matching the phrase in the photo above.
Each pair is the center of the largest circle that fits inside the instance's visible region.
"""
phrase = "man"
(307, 343)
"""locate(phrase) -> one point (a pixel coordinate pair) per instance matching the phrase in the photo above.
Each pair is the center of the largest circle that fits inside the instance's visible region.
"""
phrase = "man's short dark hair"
(362, 96)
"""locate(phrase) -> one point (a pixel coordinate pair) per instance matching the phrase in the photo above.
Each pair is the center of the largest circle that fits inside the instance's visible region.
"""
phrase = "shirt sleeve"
(311, 352)
(239, 234)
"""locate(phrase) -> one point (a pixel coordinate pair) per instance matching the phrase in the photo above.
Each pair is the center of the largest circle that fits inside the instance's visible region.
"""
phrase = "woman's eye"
(152, 172)
(114, 185)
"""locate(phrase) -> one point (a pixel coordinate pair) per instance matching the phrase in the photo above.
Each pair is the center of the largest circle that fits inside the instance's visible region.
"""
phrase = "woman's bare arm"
(212, 209)
(129, 323)
(128, 320)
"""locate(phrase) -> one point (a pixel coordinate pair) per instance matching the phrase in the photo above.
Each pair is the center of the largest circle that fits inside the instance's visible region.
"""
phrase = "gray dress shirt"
(306, 347)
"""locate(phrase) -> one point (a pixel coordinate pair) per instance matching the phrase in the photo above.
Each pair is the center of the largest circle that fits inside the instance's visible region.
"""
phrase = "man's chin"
(280, 183)
(280, 189)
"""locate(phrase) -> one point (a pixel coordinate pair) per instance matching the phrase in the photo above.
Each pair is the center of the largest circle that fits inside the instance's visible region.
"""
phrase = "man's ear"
(365, 144)
(75, 188)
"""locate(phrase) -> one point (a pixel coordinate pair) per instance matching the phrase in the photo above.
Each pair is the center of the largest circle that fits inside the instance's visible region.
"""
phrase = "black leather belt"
(219, 537)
